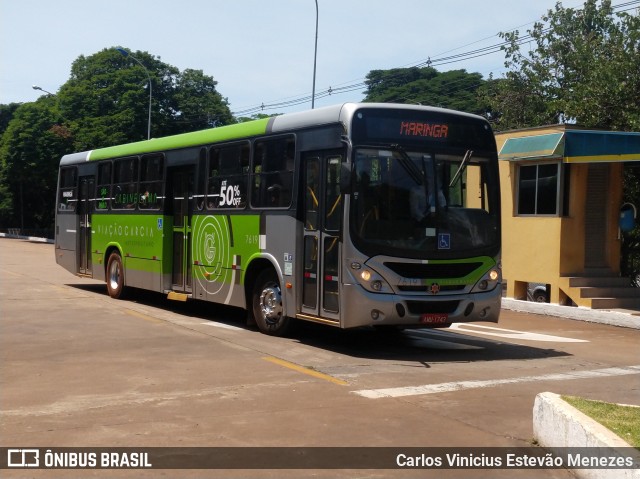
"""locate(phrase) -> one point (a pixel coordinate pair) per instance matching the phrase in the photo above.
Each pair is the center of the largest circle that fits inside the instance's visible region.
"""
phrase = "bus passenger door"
(85, 204)
(321, 240)
(181, 187)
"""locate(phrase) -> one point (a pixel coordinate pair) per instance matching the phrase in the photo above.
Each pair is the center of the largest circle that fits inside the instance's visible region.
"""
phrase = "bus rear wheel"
(115, 276)
(268, 312)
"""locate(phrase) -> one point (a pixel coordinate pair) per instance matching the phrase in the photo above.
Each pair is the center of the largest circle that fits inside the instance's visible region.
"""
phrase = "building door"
(596, 216)
(85, 205)
(323, 207)
(181, 187)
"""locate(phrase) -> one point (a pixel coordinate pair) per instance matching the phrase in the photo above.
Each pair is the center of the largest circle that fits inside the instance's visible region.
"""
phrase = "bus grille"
(425, 307)
(433, 270)
(427, 288)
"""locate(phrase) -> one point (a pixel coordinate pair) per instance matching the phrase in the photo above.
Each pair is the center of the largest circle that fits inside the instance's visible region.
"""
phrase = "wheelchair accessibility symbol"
(444, 241)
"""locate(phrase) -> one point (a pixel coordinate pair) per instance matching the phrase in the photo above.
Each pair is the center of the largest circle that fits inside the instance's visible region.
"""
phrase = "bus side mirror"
(345, 178)
(345, 167)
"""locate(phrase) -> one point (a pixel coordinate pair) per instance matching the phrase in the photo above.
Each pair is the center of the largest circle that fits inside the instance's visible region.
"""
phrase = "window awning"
(533, 147)
(574, 146)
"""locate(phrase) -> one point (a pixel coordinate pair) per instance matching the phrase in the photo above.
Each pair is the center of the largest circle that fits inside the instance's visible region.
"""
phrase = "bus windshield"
(423, 203)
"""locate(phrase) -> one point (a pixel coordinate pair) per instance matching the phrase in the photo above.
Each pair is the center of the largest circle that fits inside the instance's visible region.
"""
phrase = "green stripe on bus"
(149, 238)
(212, 135)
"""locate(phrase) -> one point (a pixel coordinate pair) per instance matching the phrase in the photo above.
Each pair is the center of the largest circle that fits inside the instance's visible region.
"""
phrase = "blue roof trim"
(574, 146)
(601, 143)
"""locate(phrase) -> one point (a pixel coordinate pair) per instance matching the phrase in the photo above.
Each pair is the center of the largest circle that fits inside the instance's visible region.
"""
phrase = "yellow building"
(561, 202)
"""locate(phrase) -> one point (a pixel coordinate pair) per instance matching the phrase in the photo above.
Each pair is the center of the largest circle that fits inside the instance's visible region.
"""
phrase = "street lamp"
(36, 87)
(315, 56)
(127, 54)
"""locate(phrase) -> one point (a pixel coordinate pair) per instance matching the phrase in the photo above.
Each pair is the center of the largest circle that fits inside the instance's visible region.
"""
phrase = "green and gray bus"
(350, 215)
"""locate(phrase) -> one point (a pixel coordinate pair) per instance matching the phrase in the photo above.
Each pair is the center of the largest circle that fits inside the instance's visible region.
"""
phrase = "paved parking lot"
(79, 369)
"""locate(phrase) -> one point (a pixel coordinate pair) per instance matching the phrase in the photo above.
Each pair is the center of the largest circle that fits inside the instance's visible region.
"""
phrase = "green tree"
(455, 89)
(6, 114)
(257, 116)
(104, 102)
(30, 150)
(198, 104)
(630, 265)
(585, 68)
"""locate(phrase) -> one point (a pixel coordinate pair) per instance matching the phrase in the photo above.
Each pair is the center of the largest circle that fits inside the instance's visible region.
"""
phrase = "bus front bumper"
(364, 308)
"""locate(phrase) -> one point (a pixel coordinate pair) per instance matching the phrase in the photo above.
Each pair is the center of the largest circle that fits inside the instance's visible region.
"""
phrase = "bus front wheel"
(267, 307)
(115, 276)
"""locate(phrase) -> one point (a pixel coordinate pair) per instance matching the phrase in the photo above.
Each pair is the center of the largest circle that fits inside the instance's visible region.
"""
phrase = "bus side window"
(333, 199)
(151, 181)
(228, 167)
(201, 183)
(272, 175)
(312, 191)
(103, 187)
(68, 198)
(125, 180)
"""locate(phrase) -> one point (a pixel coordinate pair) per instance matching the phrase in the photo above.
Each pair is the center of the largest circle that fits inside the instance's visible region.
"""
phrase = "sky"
(259, 52)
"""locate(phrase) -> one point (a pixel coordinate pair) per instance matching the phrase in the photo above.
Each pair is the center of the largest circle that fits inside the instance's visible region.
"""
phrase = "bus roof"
(283, 123)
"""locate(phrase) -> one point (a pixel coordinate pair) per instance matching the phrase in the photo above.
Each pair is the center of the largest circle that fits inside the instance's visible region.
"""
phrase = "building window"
(539, 189)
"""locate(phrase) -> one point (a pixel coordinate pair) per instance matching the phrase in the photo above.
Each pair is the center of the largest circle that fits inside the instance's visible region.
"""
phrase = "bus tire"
(267, 309)
(115, 276)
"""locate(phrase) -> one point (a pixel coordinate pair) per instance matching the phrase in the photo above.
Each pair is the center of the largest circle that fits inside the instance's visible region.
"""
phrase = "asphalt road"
(79, 369)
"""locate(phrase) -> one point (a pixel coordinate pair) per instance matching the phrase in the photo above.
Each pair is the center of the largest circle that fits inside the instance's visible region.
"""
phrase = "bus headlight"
(371, 281)
(488, 282)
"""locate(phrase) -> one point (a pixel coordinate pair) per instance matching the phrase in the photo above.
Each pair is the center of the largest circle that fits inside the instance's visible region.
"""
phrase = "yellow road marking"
(304, 370)
(146, 317)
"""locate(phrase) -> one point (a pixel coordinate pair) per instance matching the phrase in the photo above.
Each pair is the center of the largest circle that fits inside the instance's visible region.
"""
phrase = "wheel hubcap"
(114, 276)
(271, 303)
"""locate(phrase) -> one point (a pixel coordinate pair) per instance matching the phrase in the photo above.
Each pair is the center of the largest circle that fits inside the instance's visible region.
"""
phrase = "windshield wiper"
(463, 165)
(407, 163)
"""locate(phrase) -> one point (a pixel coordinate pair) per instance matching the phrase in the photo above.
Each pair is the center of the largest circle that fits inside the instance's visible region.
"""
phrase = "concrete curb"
(558, 424)
(613, 318)
(33, 239)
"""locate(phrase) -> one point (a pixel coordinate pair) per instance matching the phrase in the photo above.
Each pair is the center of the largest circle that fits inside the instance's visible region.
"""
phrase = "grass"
(622, 420)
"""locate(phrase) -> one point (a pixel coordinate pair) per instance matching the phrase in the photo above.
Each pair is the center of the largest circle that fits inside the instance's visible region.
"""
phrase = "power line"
(429, 62)
(362, 84)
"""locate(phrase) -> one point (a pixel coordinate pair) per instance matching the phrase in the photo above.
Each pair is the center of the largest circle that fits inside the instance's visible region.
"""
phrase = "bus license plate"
(434, 318)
